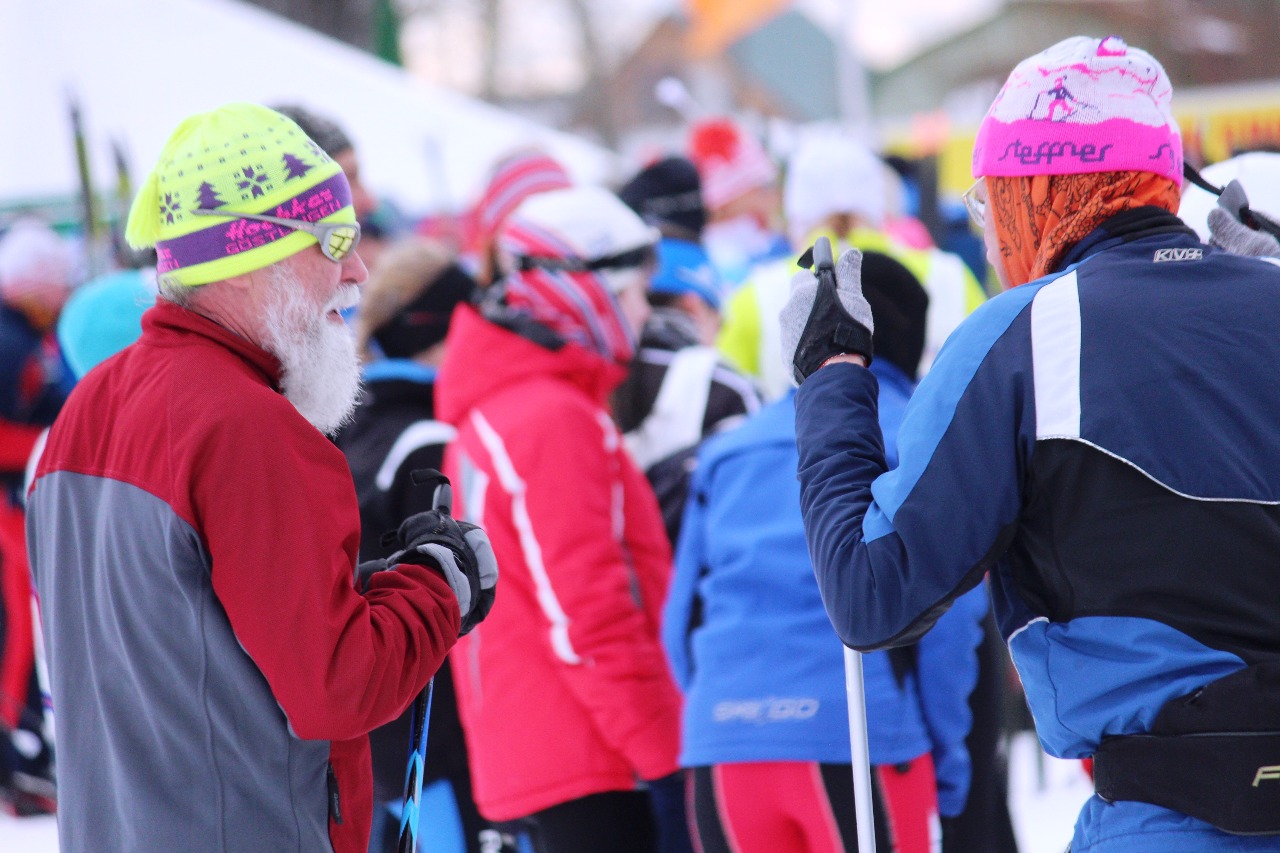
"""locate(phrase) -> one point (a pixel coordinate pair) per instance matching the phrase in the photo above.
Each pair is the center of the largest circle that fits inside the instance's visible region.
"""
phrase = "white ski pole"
(856, 693)
(824, 267)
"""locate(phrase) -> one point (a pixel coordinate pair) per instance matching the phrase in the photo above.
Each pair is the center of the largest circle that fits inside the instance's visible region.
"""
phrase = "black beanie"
(900, 307)
(323, 131)
(668, 195)
(424, 322)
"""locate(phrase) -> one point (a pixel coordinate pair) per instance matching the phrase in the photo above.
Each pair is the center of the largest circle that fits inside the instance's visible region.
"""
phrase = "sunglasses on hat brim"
(337, 239)
(639, 257)
(974, 206)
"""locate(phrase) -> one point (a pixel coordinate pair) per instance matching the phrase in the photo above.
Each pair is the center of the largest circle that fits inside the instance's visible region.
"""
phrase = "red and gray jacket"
(214, 671)
(564, 689)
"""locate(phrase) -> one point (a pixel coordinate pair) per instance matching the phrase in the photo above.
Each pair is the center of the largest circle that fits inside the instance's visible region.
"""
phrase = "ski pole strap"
(1251, 218)
(1230, 779)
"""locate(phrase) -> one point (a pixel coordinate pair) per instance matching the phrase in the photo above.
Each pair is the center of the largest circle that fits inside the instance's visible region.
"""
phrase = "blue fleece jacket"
(752, 648)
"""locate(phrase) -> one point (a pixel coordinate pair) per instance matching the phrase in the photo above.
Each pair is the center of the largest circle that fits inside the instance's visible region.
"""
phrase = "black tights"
(616, 821)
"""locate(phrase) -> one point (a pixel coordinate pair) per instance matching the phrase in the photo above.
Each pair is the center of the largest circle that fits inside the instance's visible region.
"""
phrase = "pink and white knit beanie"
(730, 161)
(1084, 105)
(35, 263)
(516, 177)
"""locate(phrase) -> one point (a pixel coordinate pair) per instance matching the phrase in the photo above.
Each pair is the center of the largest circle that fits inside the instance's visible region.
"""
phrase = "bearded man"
(217, 657)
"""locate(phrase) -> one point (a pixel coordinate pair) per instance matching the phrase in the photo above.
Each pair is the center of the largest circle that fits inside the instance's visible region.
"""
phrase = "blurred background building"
(916, 74)
(433, 91)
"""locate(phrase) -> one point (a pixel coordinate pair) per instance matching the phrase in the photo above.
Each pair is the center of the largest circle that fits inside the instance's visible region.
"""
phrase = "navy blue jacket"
(1104, 442)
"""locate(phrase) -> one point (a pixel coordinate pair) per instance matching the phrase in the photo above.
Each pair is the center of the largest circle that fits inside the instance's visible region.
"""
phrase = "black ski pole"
(410, 808)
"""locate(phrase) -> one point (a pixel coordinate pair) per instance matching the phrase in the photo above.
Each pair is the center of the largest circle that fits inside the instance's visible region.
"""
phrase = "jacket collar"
(1125, 227)
(402, 369)
(669, 329)
(167, 325)
(888, 373)
(482, 357)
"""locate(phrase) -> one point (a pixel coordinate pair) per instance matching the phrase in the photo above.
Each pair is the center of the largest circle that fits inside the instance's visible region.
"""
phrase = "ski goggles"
(337, 239)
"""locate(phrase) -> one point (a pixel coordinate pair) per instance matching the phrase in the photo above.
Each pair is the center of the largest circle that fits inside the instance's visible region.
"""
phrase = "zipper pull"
(335, 800)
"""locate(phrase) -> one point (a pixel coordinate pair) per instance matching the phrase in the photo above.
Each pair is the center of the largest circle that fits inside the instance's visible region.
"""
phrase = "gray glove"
(366, 570)
(472, 608)
(1231, 235)
(818, 325)
(1233, 227)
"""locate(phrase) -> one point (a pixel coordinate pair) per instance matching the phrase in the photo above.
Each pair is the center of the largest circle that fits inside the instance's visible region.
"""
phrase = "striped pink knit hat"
(1084, 105)
(574, 249)
(515, 178)
(730, 161)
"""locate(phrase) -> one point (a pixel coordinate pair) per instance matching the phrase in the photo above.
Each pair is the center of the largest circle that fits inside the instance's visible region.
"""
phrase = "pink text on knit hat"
(241, 235)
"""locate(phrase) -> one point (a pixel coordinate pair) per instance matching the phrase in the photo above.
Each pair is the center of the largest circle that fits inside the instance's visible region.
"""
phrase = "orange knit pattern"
(1038, 218)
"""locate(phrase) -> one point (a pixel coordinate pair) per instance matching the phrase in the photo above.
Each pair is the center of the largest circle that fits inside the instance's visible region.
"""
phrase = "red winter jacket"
(564, 689)
(214, 670)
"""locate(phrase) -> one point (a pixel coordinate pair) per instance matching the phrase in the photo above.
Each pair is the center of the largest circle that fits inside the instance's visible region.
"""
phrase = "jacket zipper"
(335, 799)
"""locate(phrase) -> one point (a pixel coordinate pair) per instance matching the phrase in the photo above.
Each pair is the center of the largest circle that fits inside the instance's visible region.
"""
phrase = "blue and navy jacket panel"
(1103, 442)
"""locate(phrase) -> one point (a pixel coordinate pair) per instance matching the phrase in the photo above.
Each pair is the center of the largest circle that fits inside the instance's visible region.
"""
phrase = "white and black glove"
(1230, 228)
(460, 551)
(826, 314)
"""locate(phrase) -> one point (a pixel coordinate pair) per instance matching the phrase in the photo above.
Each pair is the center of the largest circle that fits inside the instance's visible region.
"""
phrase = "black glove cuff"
(479, 610)
(841, 340)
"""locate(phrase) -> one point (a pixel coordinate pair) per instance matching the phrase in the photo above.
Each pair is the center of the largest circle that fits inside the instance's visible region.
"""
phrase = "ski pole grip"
(442, 497)
(823, 261)
(442, 500)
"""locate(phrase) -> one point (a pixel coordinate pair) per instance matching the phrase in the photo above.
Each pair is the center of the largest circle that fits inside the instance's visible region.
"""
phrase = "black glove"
(826, 313)
(460, 551)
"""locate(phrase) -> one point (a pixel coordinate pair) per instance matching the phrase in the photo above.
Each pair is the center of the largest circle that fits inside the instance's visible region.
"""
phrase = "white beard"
(321, 371)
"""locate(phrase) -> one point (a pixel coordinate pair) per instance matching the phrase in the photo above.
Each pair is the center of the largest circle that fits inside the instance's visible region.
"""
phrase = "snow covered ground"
(1045, 795)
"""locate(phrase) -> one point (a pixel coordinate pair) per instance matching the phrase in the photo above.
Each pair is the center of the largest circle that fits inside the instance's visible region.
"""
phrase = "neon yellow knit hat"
(239, 158)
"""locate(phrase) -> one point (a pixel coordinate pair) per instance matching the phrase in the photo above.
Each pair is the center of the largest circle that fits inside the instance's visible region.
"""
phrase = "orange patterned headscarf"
(1039, 218)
